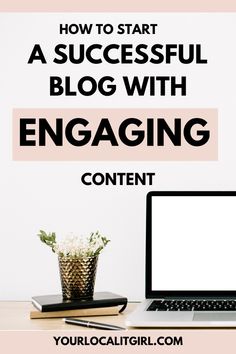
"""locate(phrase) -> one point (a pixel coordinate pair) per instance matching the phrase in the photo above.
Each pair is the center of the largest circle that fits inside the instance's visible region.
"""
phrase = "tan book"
(98, 311)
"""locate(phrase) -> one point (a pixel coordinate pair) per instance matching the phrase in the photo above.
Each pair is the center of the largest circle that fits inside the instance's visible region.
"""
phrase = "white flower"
(76, 246)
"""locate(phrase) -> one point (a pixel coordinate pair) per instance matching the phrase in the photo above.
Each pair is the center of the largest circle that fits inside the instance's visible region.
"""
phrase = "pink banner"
(115, 134)
(118, 6)
(139, 341)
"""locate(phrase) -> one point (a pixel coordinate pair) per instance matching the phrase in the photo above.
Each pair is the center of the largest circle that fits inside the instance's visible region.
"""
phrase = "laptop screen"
(193, 241)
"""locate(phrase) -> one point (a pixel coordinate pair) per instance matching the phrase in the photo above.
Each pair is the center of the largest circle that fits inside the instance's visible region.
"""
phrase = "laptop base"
(141, 318)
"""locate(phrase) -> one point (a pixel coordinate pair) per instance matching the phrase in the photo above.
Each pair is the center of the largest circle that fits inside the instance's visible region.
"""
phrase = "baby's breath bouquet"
(75, 246)
(78, 257)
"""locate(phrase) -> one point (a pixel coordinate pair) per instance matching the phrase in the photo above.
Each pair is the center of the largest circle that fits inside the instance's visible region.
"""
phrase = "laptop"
(190, 261)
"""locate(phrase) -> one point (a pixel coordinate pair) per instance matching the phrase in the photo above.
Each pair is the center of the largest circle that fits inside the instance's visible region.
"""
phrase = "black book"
(47, 303)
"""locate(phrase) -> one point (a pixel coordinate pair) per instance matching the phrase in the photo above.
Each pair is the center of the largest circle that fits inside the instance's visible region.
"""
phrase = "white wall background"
(50, 196)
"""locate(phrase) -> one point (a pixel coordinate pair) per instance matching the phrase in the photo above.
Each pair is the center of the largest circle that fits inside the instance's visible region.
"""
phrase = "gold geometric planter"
(77, 276)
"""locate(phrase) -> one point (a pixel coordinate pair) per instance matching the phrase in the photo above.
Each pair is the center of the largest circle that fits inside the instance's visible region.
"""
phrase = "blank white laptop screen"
(193, 243)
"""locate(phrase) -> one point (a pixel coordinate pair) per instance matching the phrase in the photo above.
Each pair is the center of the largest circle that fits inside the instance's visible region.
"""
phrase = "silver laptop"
(190, 261)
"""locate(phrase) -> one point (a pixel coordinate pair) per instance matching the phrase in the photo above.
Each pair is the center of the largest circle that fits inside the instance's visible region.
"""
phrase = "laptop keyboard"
(192, 305)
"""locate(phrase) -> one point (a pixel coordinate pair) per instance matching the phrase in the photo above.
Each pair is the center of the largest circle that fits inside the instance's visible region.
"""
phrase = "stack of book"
(53, 306)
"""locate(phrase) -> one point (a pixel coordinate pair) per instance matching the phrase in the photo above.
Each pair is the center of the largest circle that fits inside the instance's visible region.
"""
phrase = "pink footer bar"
(182, 341)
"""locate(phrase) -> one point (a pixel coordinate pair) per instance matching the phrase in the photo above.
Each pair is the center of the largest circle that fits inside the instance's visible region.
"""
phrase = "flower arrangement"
(75, 246)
